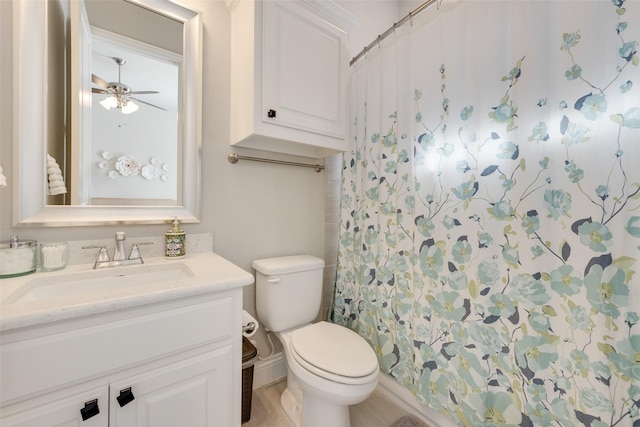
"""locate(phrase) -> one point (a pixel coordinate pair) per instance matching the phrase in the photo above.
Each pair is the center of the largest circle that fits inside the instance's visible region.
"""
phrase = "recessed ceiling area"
(133, 21)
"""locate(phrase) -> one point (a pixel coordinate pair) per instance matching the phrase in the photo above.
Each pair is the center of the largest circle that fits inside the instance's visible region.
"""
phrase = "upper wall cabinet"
(289, 71)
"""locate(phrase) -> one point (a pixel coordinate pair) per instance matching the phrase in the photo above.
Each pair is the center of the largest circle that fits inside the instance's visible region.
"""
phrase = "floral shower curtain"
(490, 219)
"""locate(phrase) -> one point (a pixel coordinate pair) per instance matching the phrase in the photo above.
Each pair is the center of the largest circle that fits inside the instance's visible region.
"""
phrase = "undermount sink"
(97, 282)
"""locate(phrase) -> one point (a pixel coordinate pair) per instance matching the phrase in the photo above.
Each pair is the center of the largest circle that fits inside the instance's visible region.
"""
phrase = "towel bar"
(233, 158)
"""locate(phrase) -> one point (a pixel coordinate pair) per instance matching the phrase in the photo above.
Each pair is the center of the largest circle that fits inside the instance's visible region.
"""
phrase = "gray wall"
(254, 210)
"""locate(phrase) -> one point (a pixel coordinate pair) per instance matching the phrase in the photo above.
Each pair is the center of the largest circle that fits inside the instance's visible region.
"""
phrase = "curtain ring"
(379, 40)
(410, 19)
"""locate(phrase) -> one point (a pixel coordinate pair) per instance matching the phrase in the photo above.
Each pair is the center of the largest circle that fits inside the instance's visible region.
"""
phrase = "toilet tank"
(288, 290)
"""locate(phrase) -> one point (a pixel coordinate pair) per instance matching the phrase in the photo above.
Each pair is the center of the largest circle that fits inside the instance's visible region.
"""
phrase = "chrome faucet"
(119, 258)
(118, 254)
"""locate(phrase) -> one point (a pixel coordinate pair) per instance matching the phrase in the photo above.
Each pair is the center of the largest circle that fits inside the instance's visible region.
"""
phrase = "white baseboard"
(268, 371)
(274, 369)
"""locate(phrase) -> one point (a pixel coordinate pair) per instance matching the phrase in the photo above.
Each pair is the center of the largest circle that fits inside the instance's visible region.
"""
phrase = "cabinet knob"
(126, 396)
(271, 113)
(90, 409)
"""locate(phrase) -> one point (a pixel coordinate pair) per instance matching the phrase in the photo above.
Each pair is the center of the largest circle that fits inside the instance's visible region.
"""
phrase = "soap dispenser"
(175, 241)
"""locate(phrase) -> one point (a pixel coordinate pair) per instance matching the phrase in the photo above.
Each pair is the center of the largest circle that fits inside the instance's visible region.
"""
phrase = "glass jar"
(53, 256)
(17, 258)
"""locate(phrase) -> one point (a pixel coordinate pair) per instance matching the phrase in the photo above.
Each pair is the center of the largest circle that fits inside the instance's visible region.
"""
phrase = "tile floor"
(376, 411)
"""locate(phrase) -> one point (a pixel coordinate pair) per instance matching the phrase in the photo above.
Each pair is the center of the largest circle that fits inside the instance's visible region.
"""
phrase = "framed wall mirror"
(107, 124)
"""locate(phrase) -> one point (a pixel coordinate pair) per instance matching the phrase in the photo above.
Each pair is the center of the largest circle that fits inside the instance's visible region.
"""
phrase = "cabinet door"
(66, 412)
(196, 392)
(304, 70)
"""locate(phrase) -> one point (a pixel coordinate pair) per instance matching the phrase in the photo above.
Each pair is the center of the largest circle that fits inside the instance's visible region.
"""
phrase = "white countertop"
(207, 272)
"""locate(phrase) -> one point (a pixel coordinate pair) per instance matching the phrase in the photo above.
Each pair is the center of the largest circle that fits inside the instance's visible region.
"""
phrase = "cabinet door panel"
(304, 80)
(64, 412)
(194, 393)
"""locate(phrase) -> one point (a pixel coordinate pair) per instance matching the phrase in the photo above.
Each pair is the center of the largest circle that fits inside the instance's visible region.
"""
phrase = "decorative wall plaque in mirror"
(117, 143)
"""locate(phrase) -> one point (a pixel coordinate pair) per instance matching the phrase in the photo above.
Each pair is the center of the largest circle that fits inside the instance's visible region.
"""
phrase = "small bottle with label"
(175, 240)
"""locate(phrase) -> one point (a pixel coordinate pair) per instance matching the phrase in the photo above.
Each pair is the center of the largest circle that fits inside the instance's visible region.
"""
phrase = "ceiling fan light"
(109, 102)
(129, 107)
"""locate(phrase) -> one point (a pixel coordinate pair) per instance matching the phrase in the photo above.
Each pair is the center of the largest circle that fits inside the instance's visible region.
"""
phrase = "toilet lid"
(334, 349)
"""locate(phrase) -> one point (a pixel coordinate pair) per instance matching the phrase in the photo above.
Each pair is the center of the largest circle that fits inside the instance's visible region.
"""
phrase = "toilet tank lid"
(287, 264)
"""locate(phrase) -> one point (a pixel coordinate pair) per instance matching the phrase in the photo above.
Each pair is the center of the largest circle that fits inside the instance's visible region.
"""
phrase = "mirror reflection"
(132, 154)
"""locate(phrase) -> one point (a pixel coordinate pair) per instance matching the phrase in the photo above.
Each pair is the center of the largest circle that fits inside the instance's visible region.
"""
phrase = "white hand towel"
(3, 179)
(56, 180)
(56, 191)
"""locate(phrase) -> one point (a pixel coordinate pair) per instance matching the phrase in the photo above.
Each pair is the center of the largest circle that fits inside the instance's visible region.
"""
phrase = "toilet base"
(291, 402)
(312, 401)
(316, 413)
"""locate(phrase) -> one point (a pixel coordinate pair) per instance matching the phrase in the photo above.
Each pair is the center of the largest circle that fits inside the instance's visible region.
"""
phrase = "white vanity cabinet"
(65, 411)
(193, 392)
(289, 71)
(167, 364)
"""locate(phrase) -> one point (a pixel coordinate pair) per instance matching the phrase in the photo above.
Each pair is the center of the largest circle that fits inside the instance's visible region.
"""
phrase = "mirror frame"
(29, 127)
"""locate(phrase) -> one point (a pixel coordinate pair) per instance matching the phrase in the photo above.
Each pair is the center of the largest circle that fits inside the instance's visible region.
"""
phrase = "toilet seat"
(334, 352)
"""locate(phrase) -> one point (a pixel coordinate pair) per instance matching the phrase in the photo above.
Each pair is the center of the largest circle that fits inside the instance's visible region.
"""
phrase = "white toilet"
(329, 367)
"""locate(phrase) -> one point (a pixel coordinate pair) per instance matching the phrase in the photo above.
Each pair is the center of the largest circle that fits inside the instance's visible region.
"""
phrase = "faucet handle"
(103, 256)
(135, 251)
(102, 253)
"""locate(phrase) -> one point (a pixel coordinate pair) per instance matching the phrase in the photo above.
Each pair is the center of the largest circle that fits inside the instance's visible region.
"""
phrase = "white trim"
(332, 12)
(136, 46)
(30, 207)
(268, 371)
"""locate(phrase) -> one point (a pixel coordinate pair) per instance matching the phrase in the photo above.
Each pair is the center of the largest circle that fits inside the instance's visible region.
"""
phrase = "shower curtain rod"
(408, 17)
(233, 158)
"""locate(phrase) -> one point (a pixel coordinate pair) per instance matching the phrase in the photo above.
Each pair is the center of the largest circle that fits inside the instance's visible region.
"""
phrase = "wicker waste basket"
(249, 356)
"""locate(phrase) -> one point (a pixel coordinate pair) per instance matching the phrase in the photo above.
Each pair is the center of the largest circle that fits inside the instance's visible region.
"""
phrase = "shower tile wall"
(333, 167)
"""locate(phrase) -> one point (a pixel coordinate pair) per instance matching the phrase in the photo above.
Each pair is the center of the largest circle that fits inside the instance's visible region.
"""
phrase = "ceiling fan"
(120, 93)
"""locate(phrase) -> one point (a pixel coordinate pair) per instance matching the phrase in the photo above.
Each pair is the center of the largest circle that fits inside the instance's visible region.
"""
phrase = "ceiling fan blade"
(144, 102)
(145, 92)
(99, 81)
(96, 90)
